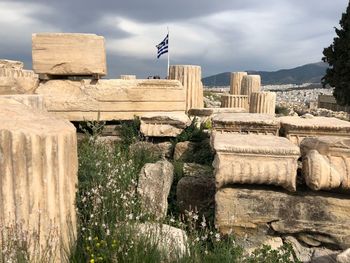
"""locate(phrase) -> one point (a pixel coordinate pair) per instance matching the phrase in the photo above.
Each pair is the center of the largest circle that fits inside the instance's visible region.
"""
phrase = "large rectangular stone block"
(324, 217)
(69, 54)
(250, 123)
(113, 99)
(296, 128)
(254, 159)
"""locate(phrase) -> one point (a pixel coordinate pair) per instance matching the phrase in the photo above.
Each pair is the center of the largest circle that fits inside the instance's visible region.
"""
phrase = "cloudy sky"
(223, 35)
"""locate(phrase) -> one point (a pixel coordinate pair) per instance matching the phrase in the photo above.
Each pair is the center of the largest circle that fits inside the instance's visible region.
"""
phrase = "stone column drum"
(38, 177)
(262, 102)
(234, 101)
(190, 76)
(236, 82)
(250, 84)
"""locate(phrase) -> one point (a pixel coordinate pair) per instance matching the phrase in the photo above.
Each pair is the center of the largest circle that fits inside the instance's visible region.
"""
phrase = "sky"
(220, 36)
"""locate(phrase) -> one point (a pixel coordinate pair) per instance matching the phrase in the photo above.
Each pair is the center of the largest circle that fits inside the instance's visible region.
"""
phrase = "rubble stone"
(154, 186)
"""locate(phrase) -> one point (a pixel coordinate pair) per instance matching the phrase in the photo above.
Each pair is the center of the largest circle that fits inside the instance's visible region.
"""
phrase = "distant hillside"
(309, 73)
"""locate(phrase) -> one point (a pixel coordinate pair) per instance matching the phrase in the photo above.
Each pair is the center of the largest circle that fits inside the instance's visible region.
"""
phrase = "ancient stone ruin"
(38, 168)
(284, 179)
(245, 93)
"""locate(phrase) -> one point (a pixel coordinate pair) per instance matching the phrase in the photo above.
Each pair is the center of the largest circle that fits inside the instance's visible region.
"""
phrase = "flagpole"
(168, 71)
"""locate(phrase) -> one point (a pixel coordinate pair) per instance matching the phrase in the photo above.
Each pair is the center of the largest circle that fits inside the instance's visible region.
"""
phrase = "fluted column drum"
(236, 82)
(38, 177)
(234, 101)
(262, 102)
(250, 84)
(190, 76)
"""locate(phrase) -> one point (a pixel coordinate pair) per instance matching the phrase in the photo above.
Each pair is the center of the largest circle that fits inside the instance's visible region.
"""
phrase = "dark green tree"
(337, 55)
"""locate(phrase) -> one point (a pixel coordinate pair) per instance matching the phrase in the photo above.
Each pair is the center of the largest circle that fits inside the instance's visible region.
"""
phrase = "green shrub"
(130, 131)
(281, 110)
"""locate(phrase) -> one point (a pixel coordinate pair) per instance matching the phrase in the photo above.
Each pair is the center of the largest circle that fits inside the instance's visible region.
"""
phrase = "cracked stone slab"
(258, 210)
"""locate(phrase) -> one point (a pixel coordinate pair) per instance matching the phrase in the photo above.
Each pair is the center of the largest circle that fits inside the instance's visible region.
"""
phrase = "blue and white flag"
(163, 46)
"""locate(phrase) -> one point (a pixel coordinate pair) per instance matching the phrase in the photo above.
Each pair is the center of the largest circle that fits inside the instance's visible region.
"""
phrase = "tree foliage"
(337, 55)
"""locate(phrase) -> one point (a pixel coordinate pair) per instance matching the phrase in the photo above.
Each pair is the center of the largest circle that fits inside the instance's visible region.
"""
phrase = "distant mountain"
(309, 73)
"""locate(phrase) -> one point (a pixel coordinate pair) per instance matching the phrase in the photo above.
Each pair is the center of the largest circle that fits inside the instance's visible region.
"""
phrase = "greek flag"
(163, 46)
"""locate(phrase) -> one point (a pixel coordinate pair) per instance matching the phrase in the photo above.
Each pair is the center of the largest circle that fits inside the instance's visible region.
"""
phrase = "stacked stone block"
(62, 54)
(256, 173)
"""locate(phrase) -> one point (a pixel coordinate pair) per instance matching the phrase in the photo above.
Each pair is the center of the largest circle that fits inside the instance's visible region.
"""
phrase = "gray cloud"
(220, 36)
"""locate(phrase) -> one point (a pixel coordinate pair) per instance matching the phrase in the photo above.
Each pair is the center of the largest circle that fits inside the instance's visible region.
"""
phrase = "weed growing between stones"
(109, 216)
(202, 152)
(110, 219)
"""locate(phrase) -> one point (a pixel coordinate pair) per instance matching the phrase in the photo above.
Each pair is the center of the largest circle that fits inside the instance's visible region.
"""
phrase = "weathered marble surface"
(11, 64)
(234, 101)
(326, 162)
(191, 78)
(154, 186)
(113, 99)
(16, 80)
(297, 128)
(160, 124)
(30, 100)
(251, 123)
(256, 211)
(236, 82)
(207, 112)
(254, 159)
(38, 174)
(69, 54)
(262, 102)
(250, 84)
